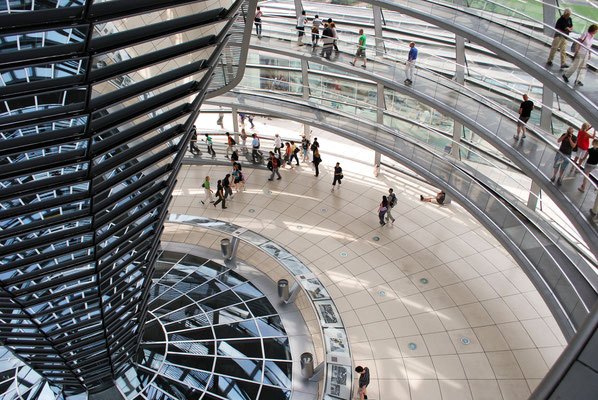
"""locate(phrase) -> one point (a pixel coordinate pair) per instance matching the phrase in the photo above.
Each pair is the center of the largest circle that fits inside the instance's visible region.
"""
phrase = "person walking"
(382, 210)
(242, 117)
(294, 151)
(234, 157)
(301, 28)
(364, 381)
(238, 178)
(315, 145)
(590, 164)
(582, 55)
(567, 141)
(250, 119)
(360, 49)
(230, 144)
(228, 191)
(564, 26)
(210, 145)
(315, 30)
(193, 142)
(410, 65)
(255, 149)
(220, 120)
(288, 153)
(258, 22)
(327, 41)
(392, 201)
(274, 164)
(277, 144)
(207, 190)
(525, 111)
(594, 209)
(220, 196)
(305, 147)
(583, 143)
(335, 36)
(338, 175)
(316, 160)
(244, 140)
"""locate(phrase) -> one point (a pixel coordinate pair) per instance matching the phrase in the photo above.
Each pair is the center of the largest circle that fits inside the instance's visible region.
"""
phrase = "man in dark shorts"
(525, 110)
(364, 381)
(360, 49)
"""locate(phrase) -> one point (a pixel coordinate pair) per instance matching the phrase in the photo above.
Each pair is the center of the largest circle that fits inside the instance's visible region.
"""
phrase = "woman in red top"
(583, 143)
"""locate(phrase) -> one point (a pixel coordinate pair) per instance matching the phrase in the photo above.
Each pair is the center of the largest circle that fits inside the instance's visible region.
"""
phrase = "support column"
(298, 7)
(235, 117)
(548, 16)
(546, 114)
(378, 30)
(460, 78)
(380, 104)
(305, 82)
(534, 195)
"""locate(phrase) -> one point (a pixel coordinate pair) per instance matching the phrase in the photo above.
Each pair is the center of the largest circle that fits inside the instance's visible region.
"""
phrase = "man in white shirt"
(315, 30)
(277, 144)
(301, 27)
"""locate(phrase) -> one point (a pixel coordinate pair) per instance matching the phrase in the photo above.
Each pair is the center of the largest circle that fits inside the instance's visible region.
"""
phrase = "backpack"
(313, 147)
(232, 141)
(393, 200)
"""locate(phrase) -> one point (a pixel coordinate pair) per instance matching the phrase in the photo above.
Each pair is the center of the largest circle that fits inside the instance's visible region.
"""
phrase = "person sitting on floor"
(440, 197)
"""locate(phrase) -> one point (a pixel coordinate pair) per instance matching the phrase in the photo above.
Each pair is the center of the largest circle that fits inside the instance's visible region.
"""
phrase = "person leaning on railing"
(327, 41)
(564, 25)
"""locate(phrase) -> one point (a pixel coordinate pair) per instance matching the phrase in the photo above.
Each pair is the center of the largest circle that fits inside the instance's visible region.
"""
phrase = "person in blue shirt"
(410, 66)
(255, 148)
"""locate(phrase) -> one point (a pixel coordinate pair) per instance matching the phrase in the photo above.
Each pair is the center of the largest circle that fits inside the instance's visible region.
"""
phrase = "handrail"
(338, 362)
(542, 155)
(517, 201)
(442, 171)
(429, 66)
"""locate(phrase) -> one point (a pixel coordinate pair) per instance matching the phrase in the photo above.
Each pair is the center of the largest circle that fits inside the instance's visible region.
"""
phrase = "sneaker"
(559, 182)
(224, 208)
(383, 223)
(278, 179)
(515, 137)
(565, 78)
(421, 197)
(552, 179)
(352, 63)
(201, 201)
(393, 220)
(592, 213)
(363, 66)
(549, 63)
(523, 137)
(269, 179)
(579, 83)
(564, 66)
(581, 189)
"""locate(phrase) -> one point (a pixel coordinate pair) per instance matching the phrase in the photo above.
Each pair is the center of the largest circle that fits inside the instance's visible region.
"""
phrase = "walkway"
(510, 44)
(534, 155)
(571, 291)
(477, 329)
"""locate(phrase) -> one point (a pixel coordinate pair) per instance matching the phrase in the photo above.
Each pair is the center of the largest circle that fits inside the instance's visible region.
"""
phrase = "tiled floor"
(477, 329)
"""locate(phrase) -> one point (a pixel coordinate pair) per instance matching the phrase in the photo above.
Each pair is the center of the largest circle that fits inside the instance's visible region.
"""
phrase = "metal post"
(235, 117)
(548, 16)
(307, 365)
(305, 82)
(229, 248)
(378, 30)
(381, 106)
(546, 114)
(283, 289)
(534, 195)
(460, 78)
